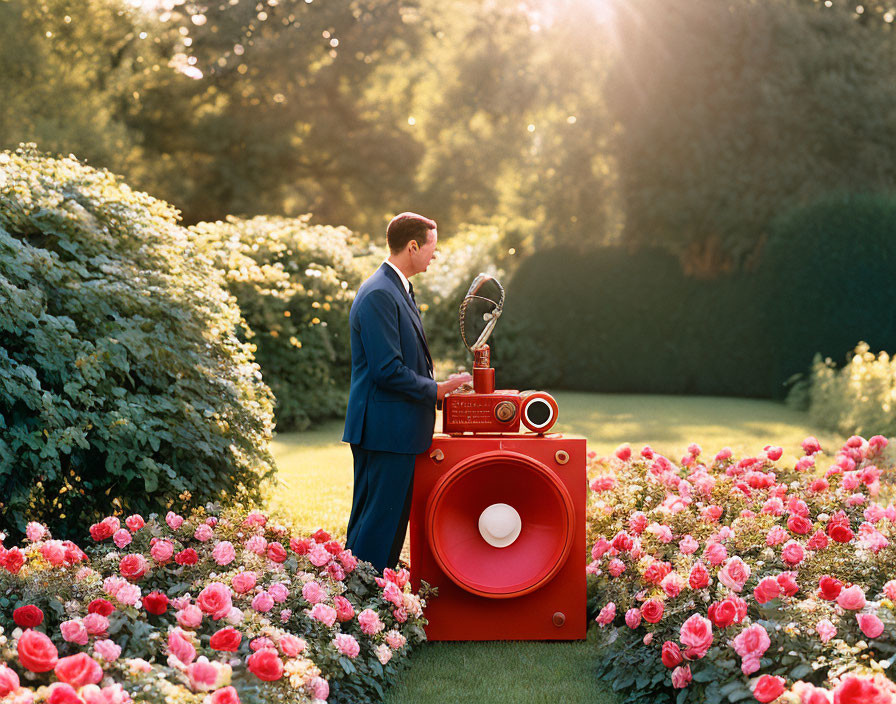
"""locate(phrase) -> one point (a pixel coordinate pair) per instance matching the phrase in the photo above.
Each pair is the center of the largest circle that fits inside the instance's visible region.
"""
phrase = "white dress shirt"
(404, 279)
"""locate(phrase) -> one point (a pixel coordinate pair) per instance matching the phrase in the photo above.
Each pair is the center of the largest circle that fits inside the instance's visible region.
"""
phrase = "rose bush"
(215, 607)
(723, 579)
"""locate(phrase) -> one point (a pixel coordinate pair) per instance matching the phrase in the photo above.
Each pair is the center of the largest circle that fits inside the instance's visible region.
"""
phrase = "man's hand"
(454, 382)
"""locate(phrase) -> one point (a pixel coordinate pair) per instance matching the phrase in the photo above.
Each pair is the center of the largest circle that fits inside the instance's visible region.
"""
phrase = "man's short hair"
(406, 227)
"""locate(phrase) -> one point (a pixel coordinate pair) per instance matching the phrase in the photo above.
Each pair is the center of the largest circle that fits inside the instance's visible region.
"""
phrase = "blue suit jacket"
(392, 400)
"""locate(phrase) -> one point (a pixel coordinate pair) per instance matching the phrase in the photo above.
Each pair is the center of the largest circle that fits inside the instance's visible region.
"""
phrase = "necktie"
(414, 300)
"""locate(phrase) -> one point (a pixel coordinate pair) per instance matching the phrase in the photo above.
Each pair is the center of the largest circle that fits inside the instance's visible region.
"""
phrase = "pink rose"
(215, 600)
(107, 650)
(135, 522)
(78, 670)
(696, 634)
(323, 613)
(34, 531)
(62, 693)
(202, 675)
(870, 624)
(671, 585)
(189, 617)
(74, 632)
(243, 582)
(173, 520)
(291, 645)
(9, 680)
(852, 598)
(752, 642)
(162, 551)
(320, 688)
(826, 630)
(681, 676)
(121, 538)
(318, 555)
(263, 602)
(607, 614)
(715, 554)
(257, 544)
(204, 533)
(312, 593)
(688, 545)
(370, 622)
(734, 574)
(652, 610)
(699, 576)
(348, 561)
(793, 553)
(279, 592)
(181, 647)
(347, 645)
(787, 582)
(890, 590)
(53, 552)
(226, 695)
(224, 553)
(95, 624)
(633, 618)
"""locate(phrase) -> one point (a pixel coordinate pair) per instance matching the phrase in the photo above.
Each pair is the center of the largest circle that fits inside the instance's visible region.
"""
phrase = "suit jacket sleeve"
(380, 337)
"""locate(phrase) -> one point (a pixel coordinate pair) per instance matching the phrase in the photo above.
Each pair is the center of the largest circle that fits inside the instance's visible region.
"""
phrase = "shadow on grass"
(510, 672)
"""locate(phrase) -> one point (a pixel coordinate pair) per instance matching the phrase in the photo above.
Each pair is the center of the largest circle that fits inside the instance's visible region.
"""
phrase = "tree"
(730, 113)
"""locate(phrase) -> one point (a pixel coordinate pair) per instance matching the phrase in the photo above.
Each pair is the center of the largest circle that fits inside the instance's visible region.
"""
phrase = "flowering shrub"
(217, 609)
(857, 398)
(739, 579)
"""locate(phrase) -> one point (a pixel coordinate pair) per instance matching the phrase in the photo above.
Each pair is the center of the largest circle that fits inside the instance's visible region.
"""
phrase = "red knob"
(559, 619)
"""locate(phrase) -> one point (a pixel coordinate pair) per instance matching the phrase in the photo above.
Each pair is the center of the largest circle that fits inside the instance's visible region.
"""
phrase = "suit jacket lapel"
(414, 313)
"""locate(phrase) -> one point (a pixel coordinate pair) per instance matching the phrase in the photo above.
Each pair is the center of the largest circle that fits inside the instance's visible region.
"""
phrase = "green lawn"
(315, 486)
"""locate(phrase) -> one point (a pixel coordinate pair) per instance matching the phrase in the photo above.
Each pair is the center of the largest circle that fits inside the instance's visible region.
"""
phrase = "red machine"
(498, 517)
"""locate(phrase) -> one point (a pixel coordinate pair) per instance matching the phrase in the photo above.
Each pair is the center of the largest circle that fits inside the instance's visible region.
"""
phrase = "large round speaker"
(538, 411)
(528, 551)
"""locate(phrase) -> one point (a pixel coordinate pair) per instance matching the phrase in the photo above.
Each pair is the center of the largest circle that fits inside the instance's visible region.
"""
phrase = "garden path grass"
(314, 490)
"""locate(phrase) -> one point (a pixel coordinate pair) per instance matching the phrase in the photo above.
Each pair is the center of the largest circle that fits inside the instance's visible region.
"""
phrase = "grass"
(315, 488)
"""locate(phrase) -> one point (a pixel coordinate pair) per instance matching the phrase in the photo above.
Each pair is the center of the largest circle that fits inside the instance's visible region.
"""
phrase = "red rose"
(767, 589)
(321, 536)
(227, 695)
(13, 560)
(101, 531)
(28, 616)
(300, 547)
(829, 588)
(227, 639)
(155, 603)
(768, 688)
(722, 613)
(652, 610)
(78, 670)
(838, 528)
(62, 693)
(133, 567)
(276, 552)
(857, 690)
(73, 554)
(787, 582)
(671, 656)
(841, 533)
(622, 541)
(655, 571)
(333, 547)
(265, 664)
(37, 652)
(793, 553)
(799, 525)
(101, 607)
(186, 557)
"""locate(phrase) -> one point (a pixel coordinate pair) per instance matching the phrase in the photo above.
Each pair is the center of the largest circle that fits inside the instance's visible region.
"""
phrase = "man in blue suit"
(392, 401)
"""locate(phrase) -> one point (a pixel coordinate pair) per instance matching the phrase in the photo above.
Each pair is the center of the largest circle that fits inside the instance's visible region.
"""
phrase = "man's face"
(422, 256)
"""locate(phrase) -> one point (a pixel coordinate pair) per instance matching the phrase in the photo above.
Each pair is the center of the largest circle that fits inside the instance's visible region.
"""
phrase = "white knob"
(500, 525)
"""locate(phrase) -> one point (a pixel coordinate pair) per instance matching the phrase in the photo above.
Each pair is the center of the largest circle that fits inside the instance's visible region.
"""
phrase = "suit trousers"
(381, 505)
